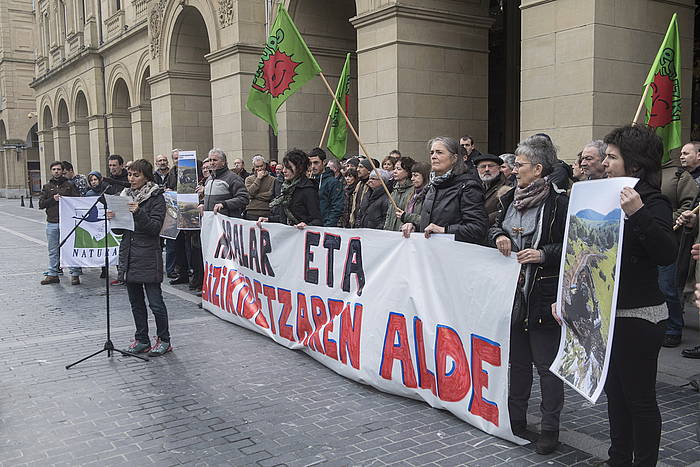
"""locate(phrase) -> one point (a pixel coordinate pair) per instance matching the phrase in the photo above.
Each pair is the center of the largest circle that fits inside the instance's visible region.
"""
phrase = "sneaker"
(693, 352)
(60, 271)
(671, 340)
(180, 280)
(75, 280)
(50, 280)
(160, 348)
(139, 347)
(116, 282)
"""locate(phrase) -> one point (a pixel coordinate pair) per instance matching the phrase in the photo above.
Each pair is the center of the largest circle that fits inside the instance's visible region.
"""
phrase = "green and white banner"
(86, 246)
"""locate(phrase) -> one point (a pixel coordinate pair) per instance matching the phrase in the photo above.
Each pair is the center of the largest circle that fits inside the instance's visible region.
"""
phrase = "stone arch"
(171, 17)
(47, 118)
(143, 72)
(119, 119)
(80, 134)
(78, 87)
(3, 132)
(118, 72)
(33, 158)
(61, 131)
(61, 94)
(46, 142)
(190, 109)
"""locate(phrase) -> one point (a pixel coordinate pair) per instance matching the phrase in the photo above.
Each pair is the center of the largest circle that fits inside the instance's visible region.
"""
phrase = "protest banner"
(587, 296)
(422, 318)
(188, 217)
(85, 246)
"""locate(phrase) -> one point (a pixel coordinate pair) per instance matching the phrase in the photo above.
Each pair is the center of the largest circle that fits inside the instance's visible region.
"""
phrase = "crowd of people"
(516, 203)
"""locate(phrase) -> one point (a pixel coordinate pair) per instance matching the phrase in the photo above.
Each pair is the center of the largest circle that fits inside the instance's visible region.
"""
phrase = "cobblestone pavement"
(227, 396)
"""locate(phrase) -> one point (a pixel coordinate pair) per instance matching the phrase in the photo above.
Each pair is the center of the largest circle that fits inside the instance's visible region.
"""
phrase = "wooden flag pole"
(694, 211)
(325, 129)
(357, 137)
(641, 104)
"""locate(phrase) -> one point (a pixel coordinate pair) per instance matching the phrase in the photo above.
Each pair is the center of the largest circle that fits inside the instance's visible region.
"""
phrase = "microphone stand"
(108, 345)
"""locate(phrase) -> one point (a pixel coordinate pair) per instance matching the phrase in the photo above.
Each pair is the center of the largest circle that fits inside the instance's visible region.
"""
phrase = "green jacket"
(679, 187)
(401, 194)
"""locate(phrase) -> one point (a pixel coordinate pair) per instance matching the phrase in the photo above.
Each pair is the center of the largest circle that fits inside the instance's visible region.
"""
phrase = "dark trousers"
(138, 309)
(670, 289)
(196, 260)
(178, 248)
(635, 420)
(536, 346)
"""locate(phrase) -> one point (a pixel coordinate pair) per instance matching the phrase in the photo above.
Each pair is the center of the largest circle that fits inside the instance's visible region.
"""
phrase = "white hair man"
(260, 186)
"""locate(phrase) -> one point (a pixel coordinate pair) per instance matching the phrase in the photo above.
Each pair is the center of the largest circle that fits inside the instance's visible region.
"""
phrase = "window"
(118, 4)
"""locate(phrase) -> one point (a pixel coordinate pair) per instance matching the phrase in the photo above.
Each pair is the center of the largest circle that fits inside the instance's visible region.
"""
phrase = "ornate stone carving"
(226, 13)
(155, 23)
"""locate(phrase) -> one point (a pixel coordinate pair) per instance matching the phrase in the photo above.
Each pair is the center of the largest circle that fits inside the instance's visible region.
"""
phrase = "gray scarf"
(139, 195)
(531, 195)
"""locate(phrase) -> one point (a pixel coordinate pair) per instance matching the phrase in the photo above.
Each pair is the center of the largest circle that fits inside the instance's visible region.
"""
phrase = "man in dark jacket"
(171, 183)
(495, 183)
(690, 159)
(239, 169)
(364, 167)
(160, 175)
(224, 191)
(330, 189)
(57, 186)
(468, 150)
(118, 176)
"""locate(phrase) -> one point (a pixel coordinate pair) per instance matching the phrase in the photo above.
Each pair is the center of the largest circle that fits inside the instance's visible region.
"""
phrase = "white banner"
(587, 296)
(422, 318)
(85, 246)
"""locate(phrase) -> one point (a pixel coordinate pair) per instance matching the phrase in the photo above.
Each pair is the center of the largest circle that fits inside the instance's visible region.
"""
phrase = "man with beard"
(495, 182)
(162, 170)
(118, 176)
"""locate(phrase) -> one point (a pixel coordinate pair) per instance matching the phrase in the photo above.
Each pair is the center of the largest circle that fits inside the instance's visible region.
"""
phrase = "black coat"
(542, 290)
(458, 206)
(304, 204)
(117, 183)
(648, 242)
(373, 209)
(140, 256)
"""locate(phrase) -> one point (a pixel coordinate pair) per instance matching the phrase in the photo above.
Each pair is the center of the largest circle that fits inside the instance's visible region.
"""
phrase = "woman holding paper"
(531, 223)
(640, 322)
(141, 259)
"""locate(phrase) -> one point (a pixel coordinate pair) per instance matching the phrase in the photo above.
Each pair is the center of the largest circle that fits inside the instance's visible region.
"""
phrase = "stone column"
(142, 132)
(46, 152)
(80, 146)
(422, 72)
(119, 132)
(61, 141)
(584, 63)
(96, 132)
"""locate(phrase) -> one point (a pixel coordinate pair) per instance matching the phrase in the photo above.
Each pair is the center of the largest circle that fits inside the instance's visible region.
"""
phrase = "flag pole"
(641, 104)
(357, 137)
(325, 130)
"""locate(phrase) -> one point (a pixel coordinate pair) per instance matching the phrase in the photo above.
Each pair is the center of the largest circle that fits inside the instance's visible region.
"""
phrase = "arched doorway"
(3, 161)
(326, 28)
(33, 159)
(61, 134)
(190, 99)
(119, 122)
(80, 136)
(46, 143)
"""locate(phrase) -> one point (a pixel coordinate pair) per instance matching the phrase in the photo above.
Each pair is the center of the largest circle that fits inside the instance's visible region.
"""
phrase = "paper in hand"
(123, 219)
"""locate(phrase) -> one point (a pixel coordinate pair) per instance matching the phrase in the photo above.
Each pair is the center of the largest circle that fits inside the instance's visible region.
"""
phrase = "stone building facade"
(139, 77)
(19, 154)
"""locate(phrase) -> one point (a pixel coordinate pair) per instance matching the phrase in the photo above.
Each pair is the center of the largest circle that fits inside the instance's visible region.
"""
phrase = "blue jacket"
(331, 196)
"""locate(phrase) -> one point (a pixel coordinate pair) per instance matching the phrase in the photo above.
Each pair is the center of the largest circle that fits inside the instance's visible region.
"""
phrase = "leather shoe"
(521, 431)
(547, 443)
(180, 280)
(693, 352)
(671, 340)
(172, 275)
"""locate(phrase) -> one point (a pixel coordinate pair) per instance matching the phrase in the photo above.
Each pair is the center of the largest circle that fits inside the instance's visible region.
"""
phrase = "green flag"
(285, 66)
(338, 136)
(663, 103)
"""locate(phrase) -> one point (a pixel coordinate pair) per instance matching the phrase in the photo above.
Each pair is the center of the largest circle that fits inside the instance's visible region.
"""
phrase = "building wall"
(584, 63)
(16, 98)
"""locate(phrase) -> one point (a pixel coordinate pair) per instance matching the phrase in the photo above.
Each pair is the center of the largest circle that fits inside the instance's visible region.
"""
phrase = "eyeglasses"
(518, 165)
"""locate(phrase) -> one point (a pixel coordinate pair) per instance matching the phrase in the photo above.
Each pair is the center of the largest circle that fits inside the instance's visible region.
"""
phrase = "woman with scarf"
(96, 183)
(420, 174)
(640, 320)
(297, 203)
(454, 198)
(531, 224)
(141, 259)
(402, 193)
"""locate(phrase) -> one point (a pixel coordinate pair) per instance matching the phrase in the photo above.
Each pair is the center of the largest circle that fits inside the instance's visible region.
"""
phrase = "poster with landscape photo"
(169, 229)
(587, 293)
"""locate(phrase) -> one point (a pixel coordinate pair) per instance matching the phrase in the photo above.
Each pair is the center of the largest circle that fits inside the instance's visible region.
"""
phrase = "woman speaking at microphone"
(298, 202)
(531, 224)
(141, 260)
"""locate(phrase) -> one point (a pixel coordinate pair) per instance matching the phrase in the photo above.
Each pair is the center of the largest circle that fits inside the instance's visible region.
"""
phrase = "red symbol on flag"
(661, 113)
(278, 72)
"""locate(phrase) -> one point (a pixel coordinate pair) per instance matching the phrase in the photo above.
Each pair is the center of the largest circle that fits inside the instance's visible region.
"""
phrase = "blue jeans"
(53, 238)
(138, 309)
(668, 286)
